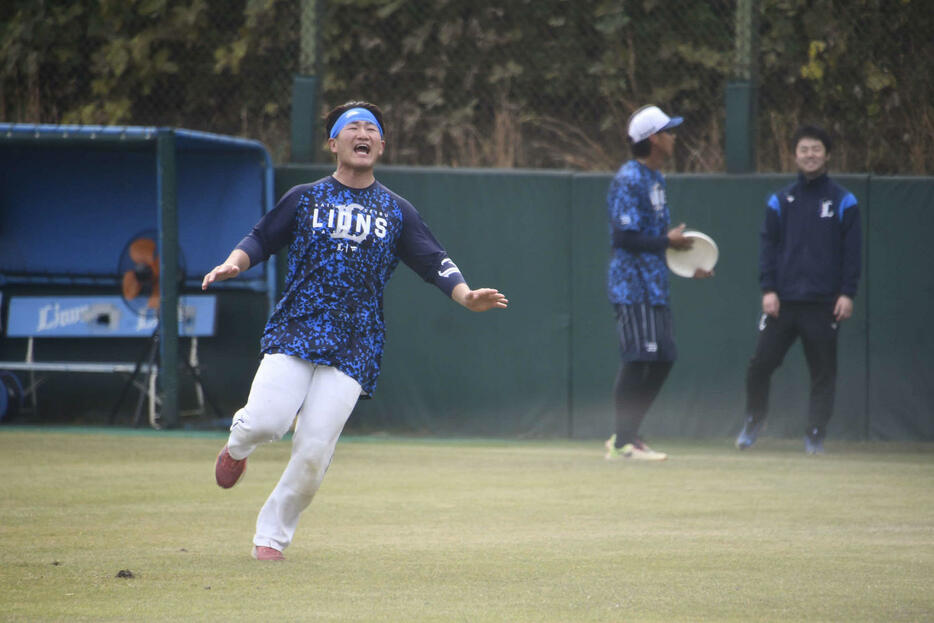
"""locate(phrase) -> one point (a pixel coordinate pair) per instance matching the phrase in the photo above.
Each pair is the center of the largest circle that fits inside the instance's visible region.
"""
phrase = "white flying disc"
(702, 254)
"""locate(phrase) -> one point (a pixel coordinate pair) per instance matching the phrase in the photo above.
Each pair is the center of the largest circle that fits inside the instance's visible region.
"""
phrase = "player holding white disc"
(323, 343)
(637, 279)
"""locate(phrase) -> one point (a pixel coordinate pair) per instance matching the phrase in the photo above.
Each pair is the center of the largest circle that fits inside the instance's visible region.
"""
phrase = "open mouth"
(361, 149)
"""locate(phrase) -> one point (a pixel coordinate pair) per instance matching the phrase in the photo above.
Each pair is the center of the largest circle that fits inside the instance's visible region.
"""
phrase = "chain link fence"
(862, 68)
(531, 83)
(208, 65)
(476, 83)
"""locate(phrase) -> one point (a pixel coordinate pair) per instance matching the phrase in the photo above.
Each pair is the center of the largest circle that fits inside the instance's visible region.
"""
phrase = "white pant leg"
(278, 391)
(330, 400)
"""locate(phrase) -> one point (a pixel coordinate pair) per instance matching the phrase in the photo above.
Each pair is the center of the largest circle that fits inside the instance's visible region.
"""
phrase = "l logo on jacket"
(825, 208)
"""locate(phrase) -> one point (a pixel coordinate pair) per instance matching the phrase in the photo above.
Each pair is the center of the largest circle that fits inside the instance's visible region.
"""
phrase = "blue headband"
(354, 114)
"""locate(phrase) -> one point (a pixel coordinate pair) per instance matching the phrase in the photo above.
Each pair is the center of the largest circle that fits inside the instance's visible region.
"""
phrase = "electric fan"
(138, 274)
(138, 269)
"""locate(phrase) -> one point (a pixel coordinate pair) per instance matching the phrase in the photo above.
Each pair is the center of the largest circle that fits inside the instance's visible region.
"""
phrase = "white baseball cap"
(650, 120)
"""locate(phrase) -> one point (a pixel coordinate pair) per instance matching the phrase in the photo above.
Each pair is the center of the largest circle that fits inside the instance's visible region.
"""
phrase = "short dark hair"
(811, 131)
(331, 118)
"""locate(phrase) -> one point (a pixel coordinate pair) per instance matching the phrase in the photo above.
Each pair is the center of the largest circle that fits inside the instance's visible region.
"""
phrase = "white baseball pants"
(323, 398)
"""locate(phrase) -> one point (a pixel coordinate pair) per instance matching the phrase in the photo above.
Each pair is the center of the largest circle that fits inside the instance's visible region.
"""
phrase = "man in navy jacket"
(809, 266)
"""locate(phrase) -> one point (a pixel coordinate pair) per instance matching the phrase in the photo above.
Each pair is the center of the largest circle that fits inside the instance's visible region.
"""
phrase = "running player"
(323, 342)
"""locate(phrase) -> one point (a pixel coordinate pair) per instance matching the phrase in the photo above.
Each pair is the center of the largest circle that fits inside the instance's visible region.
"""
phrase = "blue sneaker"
(813, 443)
(747, 437)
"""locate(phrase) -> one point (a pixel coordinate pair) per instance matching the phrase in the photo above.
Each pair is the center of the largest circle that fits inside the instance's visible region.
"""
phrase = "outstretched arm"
(270, 234)
(236, 263)
(479, 300)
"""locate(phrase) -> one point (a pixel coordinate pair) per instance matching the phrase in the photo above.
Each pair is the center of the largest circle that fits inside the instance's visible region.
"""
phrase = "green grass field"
(458, 530)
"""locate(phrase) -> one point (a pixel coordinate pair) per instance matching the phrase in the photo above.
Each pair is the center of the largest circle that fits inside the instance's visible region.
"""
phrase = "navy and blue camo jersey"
(344, 244)
(636, 203)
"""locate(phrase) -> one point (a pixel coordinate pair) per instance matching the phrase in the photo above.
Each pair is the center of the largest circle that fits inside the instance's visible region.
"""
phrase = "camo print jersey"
(344, 244)
(636, 202)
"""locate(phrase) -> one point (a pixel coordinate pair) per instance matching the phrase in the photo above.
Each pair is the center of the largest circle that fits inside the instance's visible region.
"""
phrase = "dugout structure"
(72, 196)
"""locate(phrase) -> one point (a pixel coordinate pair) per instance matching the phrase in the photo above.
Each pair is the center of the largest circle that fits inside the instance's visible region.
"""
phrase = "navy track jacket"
(811, 242)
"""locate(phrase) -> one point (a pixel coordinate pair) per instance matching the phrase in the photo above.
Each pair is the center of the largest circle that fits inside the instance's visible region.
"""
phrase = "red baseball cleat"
(228, 470)
(261, 552)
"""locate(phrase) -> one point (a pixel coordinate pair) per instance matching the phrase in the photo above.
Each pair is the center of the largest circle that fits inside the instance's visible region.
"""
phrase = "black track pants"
(815, 325)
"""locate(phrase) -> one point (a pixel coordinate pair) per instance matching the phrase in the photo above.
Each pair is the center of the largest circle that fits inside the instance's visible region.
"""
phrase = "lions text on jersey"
(343, 245)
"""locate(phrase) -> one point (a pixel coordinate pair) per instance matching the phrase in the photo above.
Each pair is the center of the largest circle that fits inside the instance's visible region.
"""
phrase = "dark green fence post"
(741, 92)
(740, 126)
(304, 105)
(167, 190)
(305, 86)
